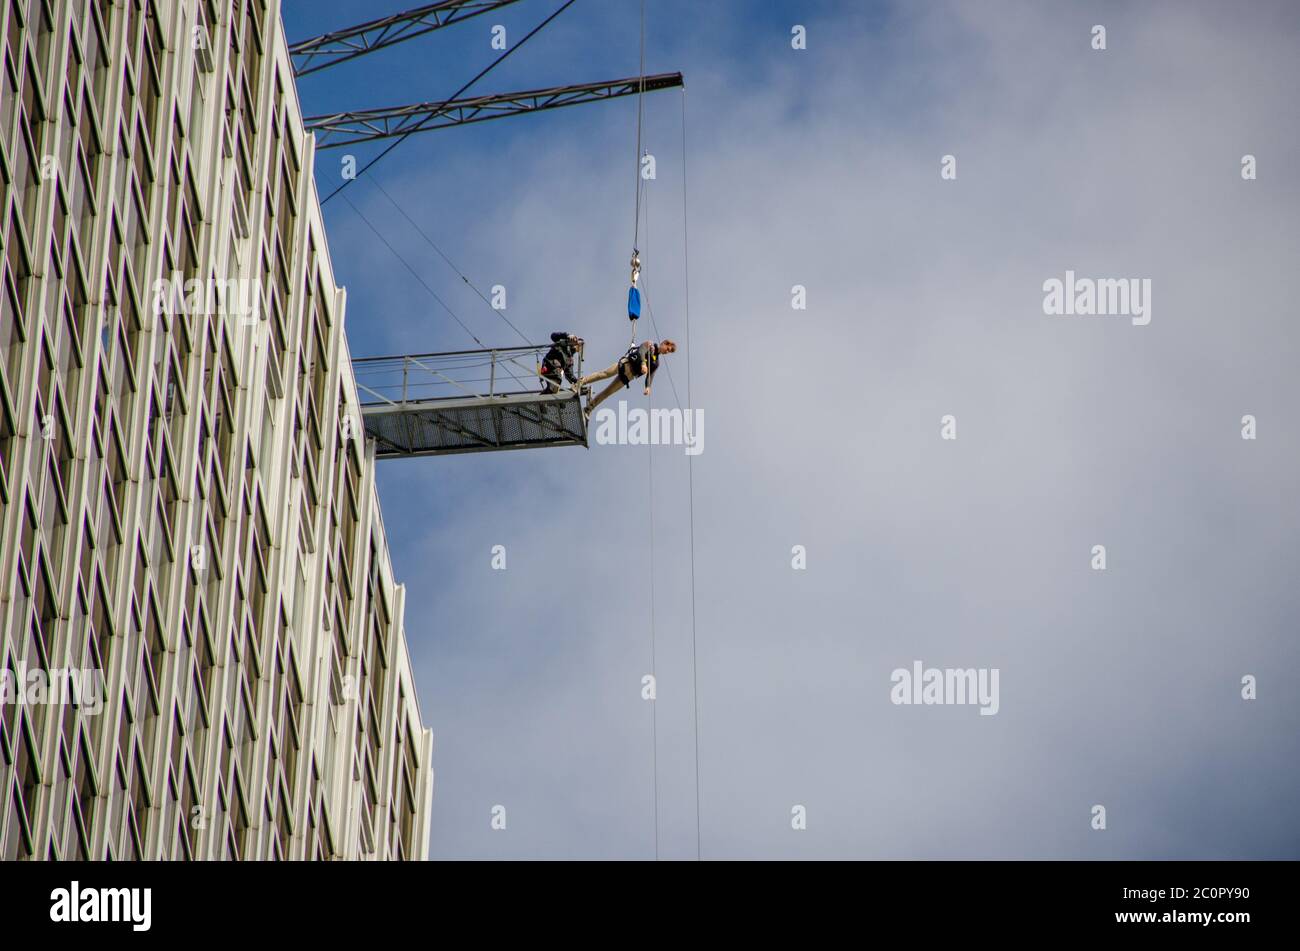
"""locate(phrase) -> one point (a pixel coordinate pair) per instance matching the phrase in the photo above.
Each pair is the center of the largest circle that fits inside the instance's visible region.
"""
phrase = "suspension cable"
(640, 114)
(695, 711)
(654, 673)
(690, 469)
(415, 274)
(477, 76)
(450, 263)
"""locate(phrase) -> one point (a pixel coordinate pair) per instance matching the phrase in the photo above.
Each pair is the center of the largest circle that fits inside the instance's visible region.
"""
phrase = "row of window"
(140, 490)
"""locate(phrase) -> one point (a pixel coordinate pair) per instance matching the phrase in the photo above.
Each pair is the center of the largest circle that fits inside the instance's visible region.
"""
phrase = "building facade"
(202, 652)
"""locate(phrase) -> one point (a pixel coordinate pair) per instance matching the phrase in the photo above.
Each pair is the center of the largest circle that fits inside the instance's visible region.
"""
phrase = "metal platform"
(464, 401)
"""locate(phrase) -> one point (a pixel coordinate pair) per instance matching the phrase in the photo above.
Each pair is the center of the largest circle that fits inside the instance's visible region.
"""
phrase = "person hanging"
(639, 361)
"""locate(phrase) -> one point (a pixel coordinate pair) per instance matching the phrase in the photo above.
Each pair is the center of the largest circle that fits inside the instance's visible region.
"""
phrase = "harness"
(558, 358)
(632, 361)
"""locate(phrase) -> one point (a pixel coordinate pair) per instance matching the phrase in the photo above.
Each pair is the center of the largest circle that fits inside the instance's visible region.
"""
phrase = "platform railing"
(500, 371)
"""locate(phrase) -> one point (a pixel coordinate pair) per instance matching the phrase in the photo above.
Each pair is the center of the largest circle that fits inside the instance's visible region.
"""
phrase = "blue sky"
(821, 168)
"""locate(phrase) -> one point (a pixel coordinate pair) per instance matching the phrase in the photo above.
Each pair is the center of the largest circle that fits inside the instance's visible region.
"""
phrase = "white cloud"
(924, 299)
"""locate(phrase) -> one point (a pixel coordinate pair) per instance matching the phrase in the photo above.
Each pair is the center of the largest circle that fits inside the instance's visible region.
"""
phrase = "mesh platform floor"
(476, 424)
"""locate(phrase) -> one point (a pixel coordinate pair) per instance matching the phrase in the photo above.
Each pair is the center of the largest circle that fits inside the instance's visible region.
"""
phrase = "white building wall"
(184, 506)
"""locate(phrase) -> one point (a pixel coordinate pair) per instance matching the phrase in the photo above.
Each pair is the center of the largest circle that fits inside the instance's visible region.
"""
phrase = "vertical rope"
(691, 489)
(690, 469)
(654, 703)
(636, 164)
(640, 113)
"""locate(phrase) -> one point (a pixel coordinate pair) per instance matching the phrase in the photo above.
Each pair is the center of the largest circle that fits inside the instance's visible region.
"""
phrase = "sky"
(823, 428)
